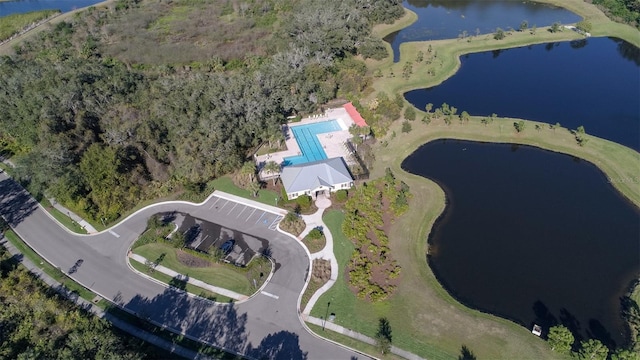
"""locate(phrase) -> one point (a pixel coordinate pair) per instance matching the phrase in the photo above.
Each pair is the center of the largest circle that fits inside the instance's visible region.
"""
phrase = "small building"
(314, 178)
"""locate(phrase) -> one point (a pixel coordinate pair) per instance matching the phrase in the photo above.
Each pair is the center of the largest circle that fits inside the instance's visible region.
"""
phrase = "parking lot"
(244, 215)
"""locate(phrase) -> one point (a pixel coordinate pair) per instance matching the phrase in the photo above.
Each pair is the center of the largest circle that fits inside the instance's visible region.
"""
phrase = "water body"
(24, 6)
(594, 83)
(447, 19)
(531, 235)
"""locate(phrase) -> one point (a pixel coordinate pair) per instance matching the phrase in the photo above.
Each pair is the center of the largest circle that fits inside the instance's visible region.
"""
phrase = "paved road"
(266, 326)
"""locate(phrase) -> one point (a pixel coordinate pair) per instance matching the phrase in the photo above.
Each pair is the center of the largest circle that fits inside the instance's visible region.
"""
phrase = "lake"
(447, 19)
(18, 7)
(593, 82)
(531, 235)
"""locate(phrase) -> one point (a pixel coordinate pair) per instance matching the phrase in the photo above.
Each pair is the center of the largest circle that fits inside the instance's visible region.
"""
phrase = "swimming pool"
(307, 138)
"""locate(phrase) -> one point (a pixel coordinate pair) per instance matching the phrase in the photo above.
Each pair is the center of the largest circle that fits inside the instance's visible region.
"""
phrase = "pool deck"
(332, 142)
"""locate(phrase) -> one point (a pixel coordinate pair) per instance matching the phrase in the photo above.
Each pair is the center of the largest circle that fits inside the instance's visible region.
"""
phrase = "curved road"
(262, 327)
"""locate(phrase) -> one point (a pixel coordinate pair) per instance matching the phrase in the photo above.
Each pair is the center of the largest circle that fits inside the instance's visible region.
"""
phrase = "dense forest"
(627, 11)
(91, 119)
(37, 323)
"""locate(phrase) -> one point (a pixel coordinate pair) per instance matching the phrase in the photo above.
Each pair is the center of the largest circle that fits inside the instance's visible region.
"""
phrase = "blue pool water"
(307, 139)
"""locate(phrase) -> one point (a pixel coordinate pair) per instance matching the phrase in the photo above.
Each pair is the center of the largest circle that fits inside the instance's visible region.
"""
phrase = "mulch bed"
(189, 260)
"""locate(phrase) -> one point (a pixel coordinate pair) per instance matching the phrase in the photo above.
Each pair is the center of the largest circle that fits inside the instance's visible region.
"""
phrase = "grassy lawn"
(314, 245)
(14, 23)
(264, 196)
(218, 274)
(62, 218)
(424, 318)
(187, 287)
(350, 342)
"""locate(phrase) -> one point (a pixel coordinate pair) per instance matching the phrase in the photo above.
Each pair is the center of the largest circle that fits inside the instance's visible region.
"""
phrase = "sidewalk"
(82, 222)
(115, 321)
(355, 335)
(218, 290)
(313, 221)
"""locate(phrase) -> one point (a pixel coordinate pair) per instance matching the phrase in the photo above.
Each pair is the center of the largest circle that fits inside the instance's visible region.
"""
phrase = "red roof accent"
(355, 115)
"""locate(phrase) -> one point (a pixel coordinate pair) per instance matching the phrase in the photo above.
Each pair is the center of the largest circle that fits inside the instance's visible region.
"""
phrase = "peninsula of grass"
(216, 274)
(15, 23)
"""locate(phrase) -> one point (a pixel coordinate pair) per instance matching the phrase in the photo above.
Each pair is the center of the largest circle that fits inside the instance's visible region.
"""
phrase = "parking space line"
(225, 204)
(214, 204)
(260, 217)
(241, 211)
(234, 206)
(250, 215)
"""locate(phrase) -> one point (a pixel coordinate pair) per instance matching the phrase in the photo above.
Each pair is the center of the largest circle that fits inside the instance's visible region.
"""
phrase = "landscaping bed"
(320, 274)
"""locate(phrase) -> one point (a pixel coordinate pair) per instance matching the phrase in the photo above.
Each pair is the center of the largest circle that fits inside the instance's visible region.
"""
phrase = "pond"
(531, 235)
(593, 83)
(447, 19)
(24, 6)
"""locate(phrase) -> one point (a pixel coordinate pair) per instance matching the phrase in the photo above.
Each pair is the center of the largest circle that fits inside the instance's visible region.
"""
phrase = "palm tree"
(254, 187)
(249, 170)
(273, 167)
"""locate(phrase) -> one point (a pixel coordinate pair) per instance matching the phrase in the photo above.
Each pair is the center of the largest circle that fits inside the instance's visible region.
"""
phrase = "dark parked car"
(227, 246)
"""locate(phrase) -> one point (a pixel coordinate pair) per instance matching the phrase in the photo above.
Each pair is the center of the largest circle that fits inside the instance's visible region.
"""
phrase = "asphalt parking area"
(244, 215)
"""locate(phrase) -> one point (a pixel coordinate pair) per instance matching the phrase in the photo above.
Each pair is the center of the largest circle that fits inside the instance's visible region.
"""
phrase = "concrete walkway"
(82, 222)
(356, 335)
(116, 321)
(313, 221)
(201, 284)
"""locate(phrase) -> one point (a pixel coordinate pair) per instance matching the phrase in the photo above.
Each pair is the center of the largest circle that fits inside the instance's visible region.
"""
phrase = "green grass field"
(14, 23)
(166, 279)
(264, 196)
(218, 274)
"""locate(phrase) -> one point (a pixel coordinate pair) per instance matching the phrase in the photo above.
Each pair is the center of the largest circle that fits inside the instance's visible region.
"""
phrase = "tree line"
(38, 323)
(100, 134)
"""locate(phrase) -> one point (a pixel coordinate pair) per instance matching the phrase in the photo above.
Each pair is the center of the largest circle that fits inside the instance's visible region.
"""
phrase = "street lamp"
(325, 316)
(276, 201)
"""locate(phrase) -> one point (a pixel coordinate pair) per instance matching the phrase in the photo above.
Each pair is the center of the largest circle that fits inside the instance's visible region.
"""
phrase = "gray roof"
(312, 175)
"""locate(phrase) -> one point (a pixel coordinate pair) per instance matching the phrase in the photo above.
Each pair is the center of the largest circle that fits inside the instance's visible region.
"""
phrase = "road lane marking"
(241, 211)
(234, 206)
(260, 217)
(114, 233)
(270, 295)
(250, 215)
(225, 204)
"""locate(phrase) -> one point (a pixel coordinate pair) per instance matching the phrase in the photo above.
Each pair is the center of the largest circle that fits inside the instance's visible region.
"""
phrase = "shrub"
(341, 195)
(406, 127)
(584, 25)
(304, 201)
(315, 234)
(499, 34)
(410, 113)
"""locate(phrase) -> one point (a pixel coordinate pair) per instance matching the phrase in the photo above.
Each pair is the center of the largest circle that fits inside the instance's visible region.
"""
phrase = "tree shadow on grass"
(16, 204)
(466, 353)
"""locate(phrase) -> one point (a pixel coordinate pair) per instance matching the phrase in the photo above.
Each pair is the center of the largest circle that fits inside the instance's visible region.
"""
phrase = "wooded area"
(100, 131)
(38, 323)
